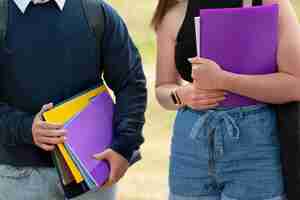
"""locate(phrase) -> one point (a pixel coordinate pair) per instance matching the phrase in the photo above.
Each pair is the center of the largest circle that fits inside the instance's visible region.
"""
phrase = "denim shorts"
(226, 154)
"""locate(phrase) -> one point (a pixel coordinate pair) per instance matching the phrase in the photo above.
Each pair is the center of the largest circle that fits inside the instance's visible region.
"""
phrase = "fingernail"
(190, 59)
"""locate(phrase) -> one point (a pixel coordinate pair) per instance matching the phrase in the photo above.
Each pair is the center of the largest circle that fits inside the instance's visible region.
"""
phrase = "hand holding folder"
(73, 179)
(240, 40)
(88, 118)
(46, 135)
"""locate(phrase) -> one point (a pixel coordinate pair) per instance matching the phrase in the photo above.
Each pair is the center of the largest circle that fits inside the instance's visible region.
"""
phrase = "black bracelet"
(175, 98)
(178, 98)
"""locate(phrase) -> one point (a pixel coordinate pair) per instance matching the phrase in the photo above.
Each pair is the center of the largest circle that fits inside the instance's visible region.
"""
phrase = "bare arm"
(167, 77)
(166, 73)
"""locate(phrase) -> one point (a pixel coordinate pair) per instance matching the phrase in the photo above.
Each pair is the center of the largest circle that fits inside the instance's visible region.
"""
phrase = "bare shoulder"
(173, 19)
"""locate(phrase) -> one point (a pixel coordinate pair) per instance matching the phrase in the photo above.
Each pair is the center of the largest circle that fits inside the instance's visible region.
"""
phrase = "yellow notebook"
(63, 112)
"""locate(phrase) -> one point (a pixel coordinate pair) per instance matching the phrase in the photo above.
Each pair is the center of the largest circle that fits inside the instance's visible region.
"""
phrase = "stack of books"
(88, 119)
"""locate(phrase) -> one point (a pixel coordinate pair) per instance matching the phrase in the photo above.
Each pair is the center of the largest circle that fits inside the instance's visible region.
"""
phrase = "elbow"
(159, 98)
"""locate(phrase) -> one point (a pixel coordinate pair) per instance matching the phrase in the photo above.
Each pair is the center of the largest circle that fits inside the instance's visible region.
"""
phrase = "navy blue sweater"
(50, 55)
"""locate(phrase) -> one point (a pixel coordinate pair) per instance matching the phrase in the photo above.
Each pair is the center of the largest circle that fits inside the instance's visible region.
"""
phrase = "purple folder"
(90, 132)
(240, 40)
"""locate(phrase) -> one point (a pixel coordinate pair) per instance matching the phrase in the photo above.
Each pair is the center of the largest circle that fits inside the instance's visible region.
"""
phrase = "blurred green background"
(147, 180)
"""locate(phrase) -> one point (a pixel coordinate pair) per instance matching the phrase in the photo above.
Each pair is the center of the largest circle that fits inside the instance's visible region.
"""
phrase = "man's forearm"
(15, 126)
(129, 116)
(273, 88)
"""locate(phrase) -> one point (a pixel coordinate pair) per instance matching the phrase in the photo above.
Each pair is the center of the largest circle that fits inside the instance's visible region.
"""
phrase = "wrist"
(226, 81)
(126, 153)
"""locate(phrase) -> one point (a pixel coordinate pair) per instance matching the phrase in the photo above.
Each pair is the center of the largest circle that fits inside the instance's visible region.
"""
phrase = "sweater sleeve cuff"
(125, 151)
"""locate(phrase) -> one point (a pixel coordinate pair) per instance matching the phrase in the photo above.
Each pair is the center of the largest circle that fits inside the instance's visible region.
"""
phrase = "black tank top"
(186, 45)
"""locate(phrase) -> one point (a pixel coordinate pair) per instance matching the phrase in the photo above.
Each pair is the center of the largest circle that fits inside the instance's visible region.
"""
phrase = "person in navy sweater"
(50, 55)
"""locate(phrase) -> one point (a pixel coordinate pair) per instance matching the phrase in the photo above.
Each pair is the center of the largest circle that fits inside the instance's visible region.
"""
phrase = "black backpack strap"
(95, 17)
(257, 2)
(3, 21)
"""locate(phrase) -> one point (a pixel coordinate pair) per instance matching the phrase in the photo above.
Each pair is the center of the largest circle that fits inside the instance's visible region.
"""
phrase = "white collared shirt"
(23, 4)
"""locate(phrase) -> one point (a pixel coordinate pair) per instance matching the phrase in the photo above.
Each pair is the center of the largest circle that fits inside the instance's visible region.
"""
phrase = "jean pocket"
(11, 172)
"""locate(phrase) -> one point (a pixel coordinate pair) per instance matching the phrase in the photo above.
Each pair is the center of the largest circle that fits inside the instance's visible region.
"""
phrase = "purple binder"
(90, 132)
(240, 40)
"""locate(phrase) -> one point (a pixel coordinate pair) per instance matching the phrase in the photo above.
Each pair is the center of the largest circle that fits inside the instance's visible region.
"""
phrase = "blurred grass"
(147, 180)
(137, 15)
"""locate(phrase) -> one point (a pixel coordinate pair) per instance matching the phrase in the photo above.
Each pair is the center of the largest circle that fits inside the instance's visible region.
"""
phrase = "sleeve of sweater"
(15, 126)
(124, 74)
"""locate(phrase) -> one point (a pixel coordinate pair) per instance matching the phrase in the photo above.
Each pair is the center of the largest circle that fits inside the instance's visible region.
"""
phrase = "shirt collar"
(23, 4)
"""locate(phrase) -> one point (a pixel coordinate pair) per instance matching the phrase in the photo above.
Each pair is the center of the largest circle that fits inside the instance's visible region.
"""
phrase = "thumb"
(46, 107)
(102, 156)
(198, 60)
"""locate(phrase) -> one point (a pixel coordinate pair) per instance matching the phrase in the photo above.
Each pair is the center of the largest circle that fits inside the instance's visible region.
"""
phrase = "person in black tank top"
(222, 153)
